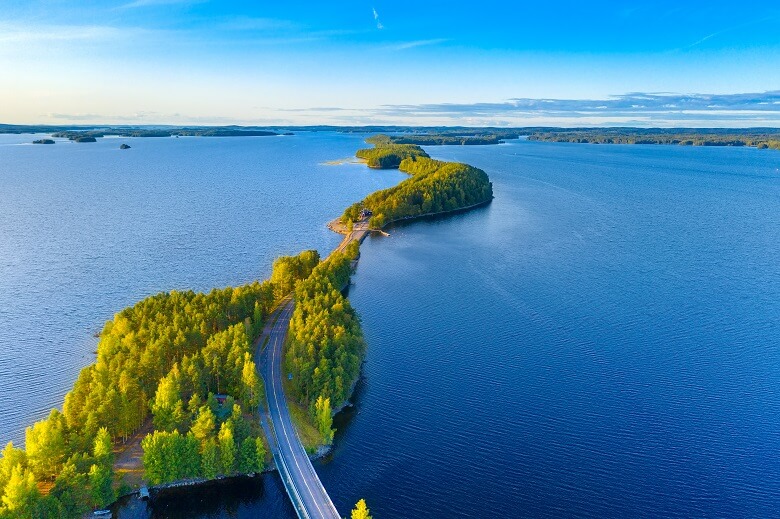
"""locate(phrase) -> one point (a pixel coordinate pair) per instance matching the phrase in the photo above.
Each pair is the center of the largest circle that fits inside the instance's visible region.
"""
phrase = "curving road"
(306, 492)
(301, 481)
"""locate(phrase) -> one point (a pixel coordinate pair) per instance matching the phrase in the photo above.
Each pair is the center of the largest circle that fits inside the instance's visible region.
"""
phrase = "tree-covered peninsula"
(178, 364)
(387, 155)
(433, 187)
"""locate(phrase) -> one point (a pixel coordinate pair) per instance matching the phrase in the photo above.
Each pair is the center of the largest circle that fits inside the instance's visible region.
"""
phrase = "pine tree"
(103, 450)
(227, 448)
(71, 490)
(21, 492)
(260, 452)
(10, 459)
(210, 459)
(204, 425)
(361, 510)
(45, 445)
(101, 482)
(247, 457)
(323, 419)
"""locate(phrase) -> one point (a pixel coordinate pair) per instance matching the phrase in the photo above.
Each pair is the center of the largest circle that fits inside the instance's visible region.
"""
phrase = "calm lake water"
(601, 341)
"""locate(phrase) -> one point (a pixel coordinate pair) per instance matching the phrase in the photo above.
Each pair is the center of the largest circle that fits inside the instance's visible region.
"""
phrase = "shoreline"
(322, 450)
(336, 226)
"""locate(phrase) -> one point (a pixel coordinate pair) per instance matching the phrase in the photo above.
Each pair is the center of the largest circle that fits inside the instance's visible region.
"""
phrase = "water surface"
(600, 341)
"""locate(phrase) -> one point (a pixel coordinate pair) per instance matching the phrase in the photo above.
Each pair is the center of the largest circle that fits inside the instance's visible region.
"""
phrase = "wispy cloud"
(245, 23)
(376, 19)
(634, 109)
(23, 33)
(416, 43)
(635, 103)
(730, 29)
(152, 3)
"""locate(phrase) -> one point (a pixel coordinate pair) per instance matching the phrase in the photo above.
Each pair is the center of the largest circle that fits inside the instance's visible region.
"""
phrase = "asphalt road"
(301, 481)
(298, 475)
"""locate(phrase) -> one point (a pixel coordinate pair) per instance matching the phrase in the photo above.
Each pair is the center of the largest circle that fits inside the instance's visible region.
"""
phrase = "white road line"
(284, 425)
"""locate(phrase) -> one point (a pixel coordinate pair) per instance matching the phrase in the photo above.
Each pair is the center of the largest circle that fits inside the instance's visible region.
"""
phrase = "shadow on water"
(439, 217)
(233, 497)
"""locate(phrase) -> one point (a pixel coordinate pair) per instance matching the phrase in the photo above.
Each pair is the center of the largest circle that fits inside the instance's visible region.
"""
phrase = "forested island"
(386, 154)
(759, 137)
(433, 187)
(82, 135)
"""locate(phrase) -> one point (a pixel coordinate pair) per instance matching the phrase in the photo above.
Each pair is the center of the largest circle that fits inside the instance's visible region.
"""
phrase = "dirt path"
(128, 457)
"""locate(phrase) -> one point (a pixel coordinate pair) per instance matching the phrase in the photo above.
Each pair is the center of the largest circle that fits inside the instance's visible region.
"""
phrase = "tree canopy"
(434, 187)
(169, 354)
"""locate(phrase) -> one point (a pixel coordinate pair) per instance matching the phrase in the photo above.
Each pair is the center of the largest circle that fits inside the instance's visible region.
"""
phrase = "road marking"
(277, 366)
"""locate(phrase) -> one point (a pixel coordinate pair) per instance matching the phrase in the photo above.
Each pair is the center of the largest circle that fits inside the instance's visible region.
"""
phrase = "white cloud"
(416, 43)
(42, 33)
(376, 19)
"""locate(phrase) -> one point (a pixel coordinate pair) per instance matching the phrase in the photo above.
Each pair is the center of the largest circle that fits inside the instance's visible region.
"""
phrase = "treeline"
(83, 480)
(387, 155)
(79, 135)
(168, 354)
(434, 187)
(684, 137)
(326, 342)
(464, 140)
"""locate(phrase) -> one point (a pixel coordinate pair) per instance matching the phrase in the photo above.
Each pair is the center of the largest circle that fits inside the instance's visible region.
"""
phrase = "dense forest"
(434, 187)
(387, 155)
(170, 355)
(760, 138)
(326, 345)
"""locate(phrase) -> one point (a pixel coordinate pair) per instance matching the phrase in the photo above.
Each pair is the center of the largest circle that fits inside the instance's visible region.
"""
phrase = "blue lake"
(601, 341)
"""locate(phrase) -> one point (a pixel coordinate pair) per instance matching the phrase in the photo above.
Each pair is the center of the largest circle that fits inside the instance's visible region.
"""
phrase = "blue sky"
(382, 62)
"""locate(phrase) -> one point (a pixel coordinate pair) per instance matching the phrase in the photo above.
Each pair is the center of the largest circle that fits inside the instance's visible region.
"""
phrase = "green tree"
(204, 425)
(21, 492)
(71, 490)
(101, 481)
(103, 448)
(252, 387)
(361, 510)
(324, 419)
(260, 453)
(10, 458)
(45, 445)
(168, 408)
(210, 459)
(227, 448)
(188, 456)
(247, 457)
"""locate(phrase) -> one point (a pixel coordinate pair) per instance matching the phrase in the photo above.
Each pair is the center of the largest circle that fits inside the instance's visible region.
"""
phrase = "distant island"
(81, 138)
(124, 147)
(75, 135)
(44, 141)
(761, 138)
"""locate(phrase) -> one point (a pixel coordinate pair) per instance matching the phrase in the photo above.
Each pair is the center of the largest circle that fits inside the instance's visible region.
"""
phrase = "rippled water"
(87, 229)
(601, 341)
